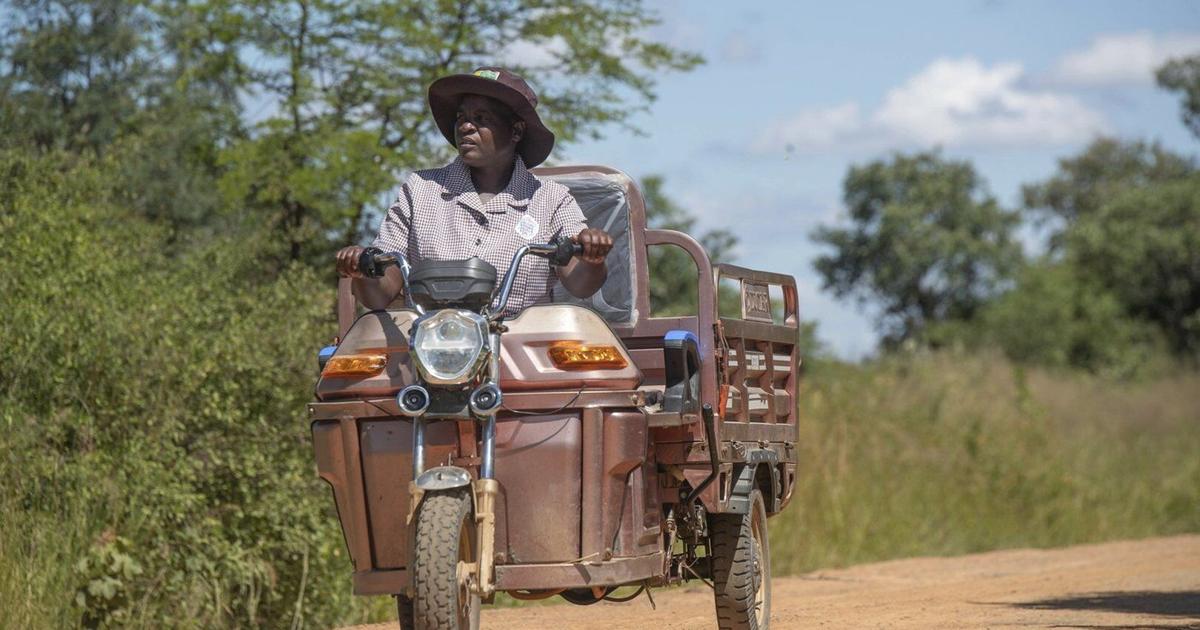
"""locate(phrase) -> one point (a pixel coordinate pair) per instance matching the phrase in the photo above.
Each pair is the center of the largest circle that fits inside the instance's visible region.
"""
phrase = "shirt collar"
(516, 194)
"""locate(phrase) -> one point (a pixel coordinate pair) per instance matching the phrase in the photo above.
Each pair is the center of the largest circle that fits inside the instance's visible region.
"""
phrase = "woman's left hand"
(596, 245)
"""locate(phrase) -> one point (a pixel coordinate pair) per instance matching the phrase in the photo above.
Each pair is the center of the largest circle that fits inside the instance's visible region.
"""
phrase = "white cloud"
(961, 102)
(952, 102)
(1123, 58)
(818, 127)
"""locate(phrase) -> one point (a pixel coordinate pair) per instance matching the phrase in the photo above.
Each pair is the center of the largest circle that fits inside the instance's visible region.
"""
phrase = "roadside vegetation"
(950, 452)
(167, 212)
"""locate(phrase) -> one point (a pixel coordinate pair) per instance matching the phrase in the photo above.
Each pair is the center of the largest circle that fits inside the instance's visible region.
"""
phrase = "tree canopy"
(300, 114)
(925, 242)
(1183, 75)
(1105, 168)
(1143, 246)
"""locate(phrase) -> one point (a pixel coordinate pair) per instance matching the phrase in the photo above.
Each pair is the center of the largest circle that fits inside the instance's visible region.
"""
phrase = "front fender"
(443, 478)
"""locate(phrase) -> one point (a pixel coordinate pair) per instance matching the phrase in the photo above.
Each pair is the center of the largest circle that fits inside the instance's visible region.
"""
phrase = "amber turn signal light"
(572, 355)
(355, 365)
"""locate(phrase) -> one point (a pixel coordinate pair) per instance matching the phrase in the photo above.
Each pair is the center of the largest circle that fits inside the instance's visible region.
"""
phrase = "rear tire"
(445, 537)
(741, 567)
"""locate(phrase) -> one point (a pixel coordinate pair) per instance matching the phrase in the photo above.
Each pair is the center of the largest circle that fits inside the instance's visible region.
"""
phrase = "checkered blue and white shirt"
(438, 216)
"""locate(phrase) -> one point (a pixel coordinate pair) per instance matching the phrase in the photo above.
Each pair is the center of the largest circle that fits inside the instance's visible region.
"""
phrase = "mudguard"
(443, 478)
(744, 483)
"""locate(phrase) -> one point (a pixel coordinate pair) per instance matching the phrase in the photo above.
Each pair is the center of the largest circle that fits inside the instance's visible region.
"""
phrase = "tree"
(347, 81)
(139, 83)
(1183, 75)
(154, 408)
(300, 113)
(1144, 247)
(71, 73)
(1105, 168)
(925, 242)
(1128, 211)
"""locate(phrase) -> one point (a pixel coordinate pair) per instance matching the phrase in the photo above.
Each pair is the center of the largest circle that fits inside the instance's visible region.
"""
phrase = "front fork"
(484, 489)
(487, 488)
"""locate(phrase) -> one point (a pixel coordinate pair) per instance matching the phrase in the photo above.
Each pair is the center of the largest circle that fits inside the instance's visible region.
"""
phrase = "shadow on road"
(1164, 603)
(1139, 627)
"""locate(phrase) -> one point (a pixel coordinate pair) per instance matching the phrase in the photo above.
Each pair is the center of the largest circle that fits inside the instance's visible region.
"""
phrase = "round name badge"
(527, 227)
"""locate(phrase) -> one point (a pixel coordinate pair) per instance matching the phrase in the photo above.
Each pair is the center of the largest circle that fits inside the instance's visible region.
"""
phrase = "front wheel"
(445, 539)
(741, 567)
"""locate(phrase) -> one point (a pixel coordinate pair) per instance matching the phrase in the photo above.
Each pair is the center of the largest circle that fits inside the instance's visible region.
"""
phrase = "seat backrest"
(603, 197)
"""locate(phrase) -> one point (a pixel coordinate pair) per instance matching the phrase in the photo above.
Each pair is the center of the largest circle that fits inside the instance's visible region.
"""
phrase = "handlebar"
(559, 252)
(373, 261)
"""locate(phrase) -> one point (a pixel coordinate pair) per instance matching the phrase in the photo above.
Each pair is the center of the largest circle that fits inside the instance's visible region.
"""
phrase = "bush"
(1054, 317)
(154, 405)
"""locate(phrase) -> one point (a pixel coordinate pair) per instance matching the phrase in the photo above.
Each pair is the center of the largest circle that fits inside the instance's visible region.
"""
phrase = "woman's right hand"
(347, 261)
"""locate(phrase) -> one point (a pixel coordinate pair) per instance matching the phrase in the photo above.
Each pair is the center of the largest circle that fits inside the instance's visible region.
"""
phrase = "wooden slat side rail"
(762, 358)
(785, 282)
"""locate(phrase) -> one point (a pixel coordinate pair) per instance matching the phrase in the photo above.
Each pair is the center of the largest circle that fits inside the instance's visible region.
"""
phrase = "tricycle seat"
(604, 198)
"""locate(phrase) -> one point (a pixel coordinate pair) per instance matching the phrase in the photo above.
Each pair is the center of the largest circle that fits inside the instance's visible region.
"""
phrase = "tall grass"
(37, 558)
(944, 454)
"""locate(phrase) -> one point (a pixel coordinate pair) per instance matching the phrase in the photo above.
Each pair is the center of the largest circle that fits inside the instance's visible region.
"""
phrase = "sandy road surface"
(1152, 584)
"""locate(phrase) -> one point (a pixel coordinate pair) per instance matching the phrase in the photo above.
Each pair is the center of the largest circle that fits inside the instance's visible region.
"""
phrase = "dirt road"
(1124, 585)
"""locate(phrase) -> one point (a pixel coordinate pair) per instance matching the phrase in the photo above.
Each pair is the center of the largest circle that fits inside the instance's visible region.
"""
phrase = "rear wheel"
(741, 567)
(445, 545)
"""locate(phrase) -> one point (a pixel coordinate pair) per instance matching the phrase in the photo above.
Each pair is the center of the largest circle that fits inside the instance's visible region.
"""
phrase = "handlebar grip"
(565, 250)
(367, 265)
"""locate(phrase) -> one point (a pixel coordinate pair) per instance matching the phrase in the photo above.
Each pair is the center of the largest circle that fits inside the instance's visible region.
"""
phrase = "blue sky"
(758, 139)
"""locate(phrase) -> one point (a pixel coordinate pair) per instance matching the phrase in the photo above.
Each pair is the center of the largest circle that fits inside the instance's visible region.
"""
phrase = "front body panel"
(577, 486)
(538, 467)
(524, 359)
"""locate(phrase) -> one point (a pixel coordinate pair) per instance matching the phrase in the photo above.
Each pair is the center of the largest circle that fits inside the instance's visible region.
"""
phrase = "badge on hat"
(527, 227)
(487, 74)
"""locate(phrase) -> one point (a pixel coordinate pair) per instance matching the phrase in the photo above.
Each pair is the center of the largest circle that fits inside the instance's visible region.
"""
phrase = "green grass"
(918, 455)
(944, 454)
(37, 557)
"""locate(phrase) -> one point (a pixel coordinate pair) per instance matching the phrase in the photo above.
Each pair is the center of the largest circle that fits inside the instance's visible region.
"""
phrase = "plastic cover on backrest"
(605, 205)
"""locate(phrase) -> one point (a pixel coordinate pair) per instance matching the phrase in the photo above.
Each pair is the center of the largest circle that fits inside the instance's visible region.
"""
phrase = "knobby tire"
(732, 556)
(444, 526)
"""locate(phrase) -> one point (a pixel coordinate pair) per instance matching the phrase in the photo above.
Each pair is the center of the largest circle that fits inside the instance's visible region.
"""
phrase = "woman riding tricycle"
(507, 416)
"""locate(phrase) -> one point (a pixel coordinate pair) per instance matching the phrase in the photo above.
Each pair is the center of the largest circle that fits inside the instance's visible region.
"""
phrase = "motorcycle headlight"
(448, 345)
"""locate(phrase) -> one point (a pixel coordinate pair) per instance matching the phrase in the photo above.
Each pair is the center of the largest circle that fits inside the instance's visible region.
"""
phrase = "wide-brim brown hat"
(504, 86)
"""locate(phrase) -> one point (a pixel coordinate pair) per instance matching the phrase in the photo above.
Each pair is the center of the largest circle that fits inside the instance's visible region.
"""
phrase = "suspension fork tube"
(487, 464)
(488, 458)
(486, 489)
(418, 461)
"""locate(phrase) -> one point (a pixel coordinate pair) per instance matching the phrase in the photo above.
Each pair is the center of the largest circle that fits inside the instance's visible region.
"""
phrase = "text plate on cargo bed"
(756, 302)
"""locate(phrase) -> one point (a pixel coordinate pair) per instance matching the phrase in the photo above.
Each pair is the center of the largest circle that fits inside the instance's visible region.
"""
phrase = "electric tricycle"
(572, 449)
